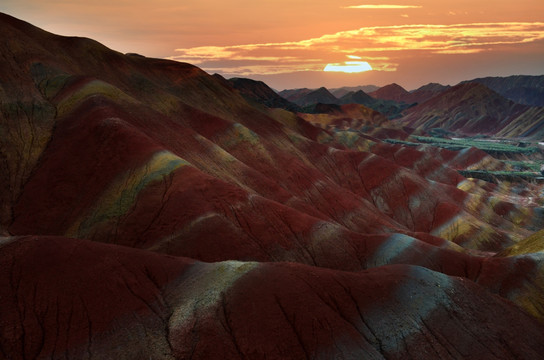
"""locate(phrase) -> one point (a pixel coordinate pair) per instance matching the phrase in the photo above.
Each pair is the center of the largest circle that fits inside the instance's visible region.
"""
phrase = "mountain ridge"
(523, 89)
(472, 108)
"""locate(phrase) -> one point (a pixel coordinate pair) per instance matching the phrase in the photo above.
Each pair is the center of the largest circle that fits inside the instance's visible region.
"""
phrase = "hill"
(474, 109)
(356, 97)
(522, 89)
(426, 92)
(393, 92)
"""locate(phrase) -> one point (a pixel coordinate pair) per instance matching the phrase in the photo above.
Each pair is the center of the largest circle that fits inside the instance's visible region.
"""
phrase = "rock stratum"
(150, 211)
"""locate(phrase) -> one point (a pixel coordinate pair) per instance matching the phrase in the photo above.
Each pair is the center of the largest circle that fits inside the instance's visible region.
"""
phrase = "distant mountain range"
(522, 89)
(307, 99)
(498, 106)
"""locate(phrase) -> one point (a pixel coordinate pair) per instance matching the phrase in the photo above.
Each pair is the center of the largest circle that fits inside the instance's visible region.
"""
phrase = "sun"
(349, 67)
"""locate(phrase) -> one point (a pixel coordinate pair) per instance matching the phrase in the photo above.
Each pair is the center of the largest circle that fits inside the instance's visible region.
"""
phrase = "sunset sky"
(289, 43)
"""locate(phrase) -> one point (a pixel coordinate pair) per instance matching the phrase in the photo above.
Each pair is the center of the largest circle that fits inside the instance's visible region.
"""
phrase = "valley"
(152, 210)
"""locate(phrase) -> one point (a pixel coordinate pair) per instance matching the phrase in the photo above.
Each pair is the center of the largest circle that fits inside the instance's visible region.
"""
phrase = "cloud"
(381, 46)
(382, 7)
(263, 69)
(459, 51)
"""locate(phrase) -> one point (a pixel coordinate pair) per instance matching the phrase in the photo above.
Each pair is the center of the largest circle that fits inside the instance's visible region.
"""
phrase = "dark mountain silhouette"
(150, 211)
(321, 95)
(294, 94)
(357, 97)
(339, 92)
(261, 93)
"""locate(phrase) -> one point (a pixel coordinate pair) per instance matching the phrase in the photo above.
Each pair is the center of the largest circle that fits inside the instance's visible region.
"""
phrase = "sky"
(312, 43)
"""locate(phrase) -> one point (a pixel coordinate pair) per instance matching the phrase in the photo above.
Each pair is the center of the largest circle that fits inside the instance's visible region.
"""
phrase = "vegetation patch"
(489, 146)
(492, 147)
(496, 176)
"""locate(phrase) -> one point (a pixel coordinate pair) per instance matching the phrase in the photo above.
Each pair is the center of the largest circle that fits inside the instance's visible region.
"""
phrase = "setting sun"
(349, 67)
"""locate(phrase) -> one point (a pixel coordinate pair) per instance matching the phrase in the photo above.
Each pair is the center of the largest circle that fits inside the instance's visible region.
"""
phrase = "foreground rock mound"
(80, 299)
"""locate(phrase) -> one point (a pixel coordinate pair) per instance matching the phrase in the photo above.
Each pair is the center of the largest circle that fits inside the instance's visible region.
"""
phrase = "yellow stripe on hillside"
(94, 87)
(532, 244)
(119, 198)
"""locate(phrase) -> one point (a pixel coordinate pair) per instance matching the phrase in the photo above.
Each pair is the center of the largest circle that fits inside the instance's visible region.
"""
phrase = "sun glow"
(349, 67)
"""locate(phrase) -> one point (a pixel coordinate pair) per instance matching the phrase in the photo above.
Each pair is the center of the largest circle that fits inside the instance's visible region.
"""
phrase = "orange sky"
(288, 43)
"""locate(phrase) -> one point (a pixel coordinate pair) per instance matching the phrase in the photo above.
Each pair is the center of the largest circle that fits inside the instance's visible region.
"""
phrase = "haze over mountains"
(151, 210)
